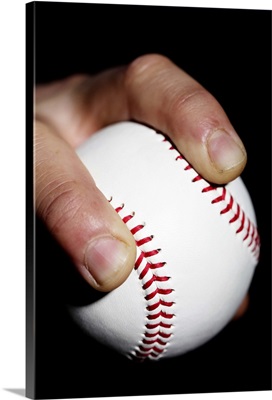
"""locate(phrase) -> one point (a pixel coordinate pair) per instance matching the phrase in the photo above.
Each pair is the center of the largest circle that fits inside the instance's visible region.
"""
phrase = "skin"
(151, 90)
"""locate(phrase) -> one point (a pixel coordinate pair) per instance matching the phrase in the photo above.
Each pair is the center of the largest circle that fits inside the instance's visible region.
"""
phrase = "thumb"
(78, 215)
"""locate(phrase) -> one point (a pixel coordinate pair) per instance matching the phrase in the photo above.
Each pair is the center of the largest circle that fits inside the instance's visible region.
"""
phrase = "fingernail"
(105, 256)
(224, 152)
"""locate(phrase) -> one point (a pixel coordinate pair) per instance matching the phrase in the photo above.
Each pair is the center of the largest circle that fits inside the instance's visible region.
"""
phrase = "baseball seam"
(155, 284)
(228, 206)
(159, 310)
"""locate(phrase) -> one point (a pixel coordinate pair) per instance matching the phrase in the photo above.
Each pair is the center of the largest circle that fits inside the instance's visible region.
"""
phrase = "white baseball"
(197, 246)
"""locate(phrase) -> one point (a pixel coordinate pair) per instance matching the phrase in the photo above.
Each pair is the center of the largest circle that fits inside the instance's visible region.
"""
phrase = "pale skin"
(151, 90)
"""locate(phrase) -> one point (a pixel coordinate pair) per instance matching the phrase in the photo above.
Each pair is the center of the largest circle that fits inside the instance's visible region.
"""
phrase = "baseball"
(197, 246)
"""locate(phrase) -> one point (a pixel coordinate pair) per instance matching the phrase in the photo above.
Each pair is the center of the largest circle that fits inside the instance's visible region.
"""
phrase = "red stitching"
(143, 241)
(236, 216)
(220, 198)
(158, 307)
(197, 178)
(159, 324)
(164, 292)
(162, 324)
(242, 224)
(208, 189)
(228, 206)
(151, 253)
(136, 229)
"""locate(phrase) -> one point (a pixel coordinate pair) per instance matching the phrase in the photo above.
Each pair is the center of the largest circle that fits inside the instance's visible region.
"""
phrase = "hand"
(151, 90)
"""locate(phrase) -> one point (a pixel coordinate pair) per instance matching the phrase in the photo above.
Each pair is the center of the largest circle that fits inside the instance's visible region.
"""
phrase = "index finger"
(164, 96)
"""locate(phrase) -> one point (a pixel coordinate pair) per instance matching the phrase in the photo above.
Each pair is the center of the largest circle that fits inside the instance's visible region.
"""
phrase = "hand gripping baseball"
(151, 90)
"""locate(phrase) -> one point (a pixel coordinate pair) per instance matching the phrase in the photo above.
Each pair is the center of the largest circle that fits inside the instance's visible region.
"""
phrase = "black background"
(229, 52)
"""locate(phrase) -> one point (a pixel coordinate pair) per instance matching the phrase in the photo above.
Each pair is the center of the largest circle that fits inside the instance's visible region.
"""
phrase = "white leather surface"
(209, 265)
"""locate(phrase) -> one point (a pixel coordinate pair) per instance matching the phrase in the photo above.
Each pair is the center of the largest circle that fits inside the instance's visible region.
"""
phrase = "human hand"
(151, 90)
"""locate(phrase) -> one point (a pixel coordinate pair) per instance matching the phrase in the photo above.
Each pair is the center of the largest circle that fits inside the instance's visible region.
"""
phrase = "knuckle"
(58, 203)
(199, 108)
(143, 66)
(189, 100)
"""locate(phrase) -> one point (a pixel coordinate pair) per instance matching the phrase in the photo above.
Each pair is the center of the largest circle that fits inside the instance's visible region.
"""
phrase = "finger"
(79, 105)
(162, 95)
(154, 91)
(78, 215)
